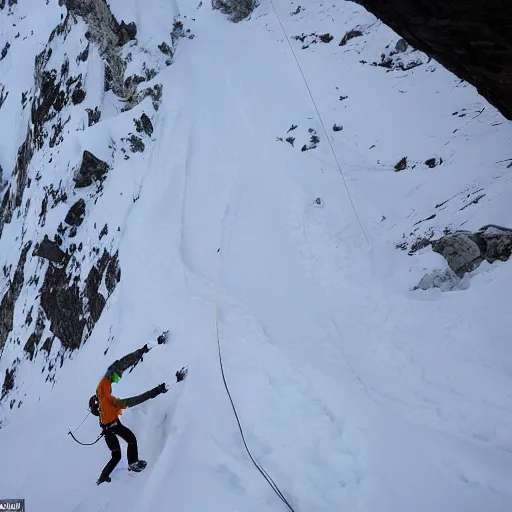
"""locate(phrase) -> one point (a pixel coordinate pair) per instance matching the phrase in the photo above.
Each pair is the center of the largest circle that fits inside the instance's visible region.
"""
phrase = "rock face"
(471, 39)
(72, 313)
(92, 168)
(11, 296)
(460, 251)
(237, 10)
(464, 250)
(50, 251)
(76, 214)
(108, 34)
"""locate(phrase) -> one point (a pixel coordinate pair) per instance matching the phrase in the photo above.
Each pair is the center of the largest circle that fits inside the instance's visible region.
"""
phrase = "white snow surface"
(355, 392)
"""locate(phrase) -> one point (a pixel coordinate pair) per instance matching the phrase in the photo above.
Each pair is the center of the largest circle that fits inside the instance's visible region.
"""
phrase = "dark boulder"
(49, 250)
(126, 32)
(92, 168)
(460, 251)
(76, 214)
(78, 96)
(147, 125)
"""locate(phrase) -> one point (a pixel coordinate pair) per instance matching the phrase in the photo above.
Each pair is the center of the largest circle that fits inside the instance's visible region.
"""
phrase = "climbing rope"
(265, 475)
(84, 444)
(321, 122)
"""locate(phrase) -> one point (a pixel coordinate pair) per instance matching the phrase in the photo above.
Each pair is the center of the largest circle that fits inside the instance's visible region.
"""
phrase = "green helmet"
(115, 377)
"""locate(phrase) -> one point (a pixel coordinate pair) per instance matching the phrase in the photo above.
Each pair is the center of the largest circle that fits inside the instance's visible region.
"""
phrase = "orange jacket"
(110, 406)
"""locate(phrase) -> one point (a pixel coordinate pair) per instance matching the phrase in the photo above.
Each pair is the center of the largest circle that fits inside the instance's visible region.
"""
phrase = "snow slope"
(354, 392)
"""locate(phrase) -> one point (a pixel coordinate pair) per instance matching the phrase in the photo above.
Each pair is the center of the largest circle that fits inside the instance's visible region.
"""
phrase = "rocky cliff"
(471, 39)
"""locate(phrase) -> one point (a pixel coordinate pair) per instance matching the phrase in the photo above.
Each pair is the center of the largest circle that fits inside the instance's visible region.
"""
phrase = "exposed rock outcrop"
(471, 39)
(92, 168)
(35, 338)
(237, 10)
(50, 251)
(464, 250)
(76, 214)
(72, 310)
(109, 35)
(11, 296)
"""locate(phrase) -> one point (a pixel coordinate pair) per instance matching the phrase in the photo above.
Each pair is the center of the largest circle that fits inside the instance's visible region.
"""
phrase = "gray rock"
(464, 250)
(237, 10)
(496, 242)
(401, 45)
(460, 251)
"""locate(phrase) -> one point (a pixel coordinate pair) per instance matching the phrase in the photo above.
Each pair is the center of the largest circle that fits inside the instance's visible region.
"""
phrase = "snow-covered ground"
(355, 391)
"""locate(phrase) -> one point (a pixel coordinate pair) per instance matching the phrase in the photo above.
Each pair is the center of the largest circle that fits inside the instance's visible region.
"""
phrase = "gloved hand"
(181, 374)
(162, 388)
(145, 349)
(162, 338)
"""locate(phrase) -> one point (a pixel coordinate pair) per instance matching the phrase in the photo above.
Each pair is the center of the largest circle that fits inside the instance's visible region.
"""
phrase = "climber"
(110, 407)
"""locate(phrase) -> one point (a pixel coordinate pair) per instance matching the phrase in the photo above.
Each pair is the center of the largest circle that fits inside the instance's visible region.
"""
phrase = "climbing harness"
(265, 475)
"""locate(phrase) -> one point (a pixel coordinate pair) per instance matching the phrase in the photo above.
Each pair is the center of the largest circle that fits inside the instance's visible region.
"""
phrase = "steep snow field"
(355, 392)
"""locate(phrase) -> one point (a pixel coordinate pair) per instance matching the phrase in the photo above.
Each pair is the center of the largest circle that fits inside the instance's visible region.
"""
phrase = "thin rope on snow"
(265, 475)
(322, 123)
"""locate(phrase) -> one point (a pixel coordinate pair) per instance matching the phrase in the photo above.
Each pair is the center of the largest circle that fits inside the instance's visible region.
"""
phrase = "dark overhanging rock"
(471, 39)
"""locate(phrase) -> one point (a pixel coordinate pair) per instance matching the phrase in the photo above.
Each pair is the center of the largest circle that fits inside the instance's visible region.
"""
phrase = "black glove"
(181, 374)
(145, 349)
(162, 338)
(162, 388)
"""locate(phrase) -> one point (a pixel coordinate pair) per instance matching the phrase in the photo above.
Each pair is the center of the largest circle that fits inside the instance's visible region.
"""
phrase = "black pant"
(112, 430)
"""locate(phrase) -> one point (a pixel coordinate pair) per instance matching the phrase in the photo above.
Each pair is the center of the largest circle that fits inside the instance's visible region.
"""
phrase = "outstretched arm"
(137, 400)
(130, 360)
